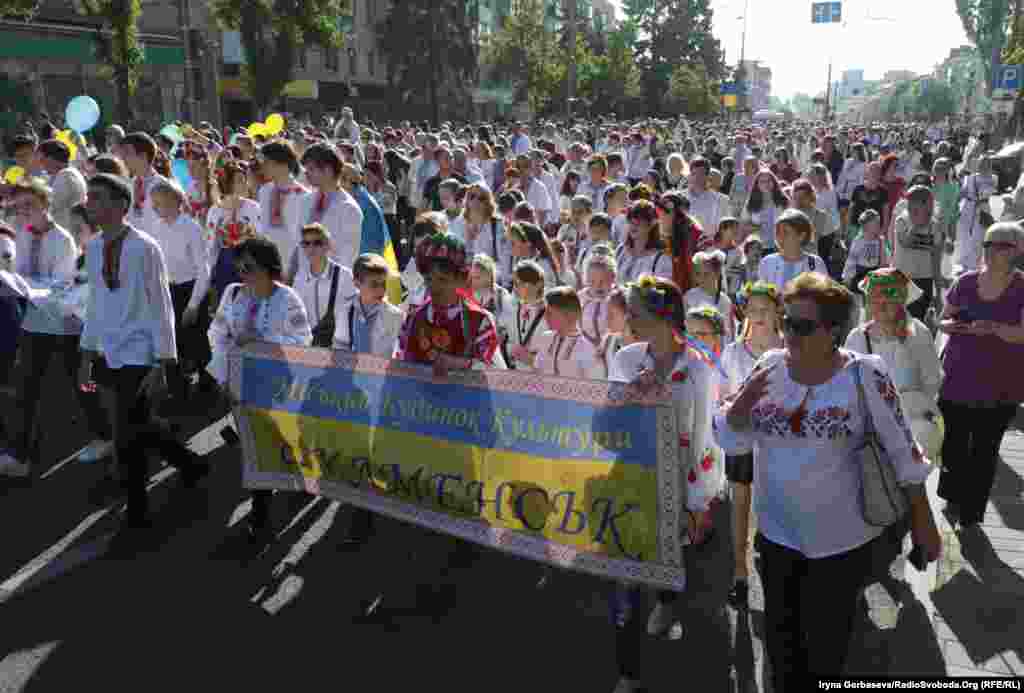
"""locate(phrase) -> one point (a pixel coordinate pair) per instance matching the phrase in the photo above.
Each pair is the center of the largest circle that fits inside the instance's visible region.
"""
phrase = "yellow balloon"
(65, 137)
(275, 123)
(14, 174)
(257, 129)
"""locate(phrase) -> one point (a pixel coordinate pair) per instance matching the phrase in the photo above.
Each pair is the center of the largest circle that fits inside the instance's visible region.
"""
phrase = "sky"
(879, 35)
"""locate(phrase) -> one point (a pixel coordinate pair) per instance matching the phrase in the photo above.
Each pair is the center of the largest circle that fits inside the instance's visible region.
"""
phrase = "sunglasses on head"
(801, 327)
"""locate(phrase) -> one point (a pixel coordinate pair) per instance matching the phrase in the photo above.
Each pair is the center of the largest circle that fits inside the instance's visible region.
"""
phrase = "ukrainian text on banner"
(580, 474)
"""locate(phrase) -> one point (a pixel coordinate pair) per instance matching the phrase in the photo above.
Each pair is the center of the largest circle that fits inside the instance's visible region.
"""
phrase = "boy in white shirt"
(366, 322)
(563, 350)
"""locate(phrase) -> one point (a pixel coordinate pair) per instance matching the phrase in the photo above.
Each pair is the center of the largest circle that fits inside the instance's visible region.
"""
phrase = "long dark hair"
(756, 200)
(532, 234)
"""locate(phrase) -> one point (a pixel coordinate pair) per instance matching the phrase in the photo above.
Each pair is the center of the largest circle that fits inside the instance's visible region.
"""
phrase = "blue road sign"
(729, 88)
(1010, 77)
(826, 12)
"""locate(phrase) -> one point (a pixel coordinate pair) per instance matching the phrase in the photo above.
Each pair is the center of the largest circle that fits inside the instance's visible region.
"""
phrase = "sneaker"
(9, 466)
(96, 451)
(662, 623)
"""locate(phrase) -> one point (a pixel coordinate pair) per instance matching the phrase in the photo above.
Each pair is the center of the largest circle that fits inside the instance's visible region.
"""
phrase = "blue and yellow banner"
(579, 474)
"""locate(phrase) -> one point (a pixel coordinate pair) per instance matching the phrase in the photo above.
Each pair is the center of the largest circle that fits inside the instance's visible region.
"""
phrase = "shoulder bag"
(882, 500)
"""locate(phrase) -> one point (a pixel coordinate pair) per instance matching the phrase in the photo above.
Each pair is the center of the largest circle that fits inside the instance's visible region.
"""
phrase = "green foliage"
(611, 79)
(986, 23)
(120, 49)
(691, 90)
(526, 53)
(803, 106)
(22, 9)
(272, 32)
(670, 34)
(428, 45)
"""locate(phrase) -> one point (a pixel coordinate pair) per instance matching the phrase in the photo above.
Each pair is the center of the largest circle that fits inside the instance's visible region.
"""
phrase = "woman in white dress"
(907, 347)
(260, 309)
(975, 216)
(656, 316)
(644, 251)
(761, 303)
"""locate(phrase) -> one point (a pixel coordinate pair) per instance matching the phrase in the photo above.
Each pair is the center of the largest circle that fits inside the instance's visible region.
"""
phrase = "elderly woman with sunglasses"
(984, 317)
(803, 414)
(260, 309)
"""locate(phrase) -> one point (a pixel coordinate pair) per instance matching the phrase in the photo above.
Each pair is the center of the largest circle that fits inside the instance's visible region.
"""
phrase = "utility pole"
(572, 60)
(185, 19)
(741, 102)
(828, 89)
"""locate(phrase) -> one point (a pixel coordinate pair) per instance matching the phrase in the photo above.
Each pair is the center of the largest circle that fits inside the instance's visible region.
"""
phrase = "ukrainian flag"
(376, 239)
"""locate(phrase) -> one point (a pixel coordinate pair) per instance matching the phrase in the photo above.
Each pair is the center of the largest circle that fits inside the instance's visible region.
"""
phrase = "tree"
(693, 91)
(118, 46)
(525, 50)
(986, 23)
(671, 33)
(934, 99)
(24, 9)
(424, 41)
(803, 105)
(611, 78)
(273, 31)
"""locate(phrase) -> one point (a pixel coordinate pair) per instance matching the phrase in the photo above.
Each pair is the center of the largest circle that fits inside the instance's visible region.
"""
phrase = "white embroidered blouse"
(693, 393)
(807, 483)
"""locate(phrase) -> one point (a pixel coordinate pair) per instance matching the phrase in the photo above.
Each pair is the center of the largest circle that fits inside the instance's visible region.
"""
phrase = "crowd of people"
(787, 282)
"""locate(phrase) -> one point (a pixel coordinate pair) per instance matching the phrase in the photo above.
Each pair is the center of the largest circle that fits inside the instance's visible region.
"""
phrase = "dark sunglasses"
(801, 327)
(999, 245)
(316, 243)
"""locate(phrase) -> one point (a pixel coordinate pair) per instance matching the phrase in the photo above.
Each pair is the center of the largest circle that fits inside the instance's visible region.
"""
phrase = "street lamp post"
(741, 100)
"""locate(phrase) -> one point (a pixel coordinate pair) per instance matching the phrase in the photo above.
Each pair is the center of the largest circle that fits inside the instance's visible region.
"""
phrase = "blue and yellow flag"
(376, 239)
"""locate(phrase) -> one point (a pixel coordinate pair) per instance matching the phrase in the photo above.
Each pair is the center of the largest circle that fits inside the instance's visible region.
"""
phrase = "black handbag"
(323, 333)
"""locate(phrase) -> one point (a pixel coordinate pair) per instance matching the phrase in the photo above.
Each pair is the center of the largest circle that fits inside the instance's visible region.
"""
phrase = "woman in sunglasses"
(984, 317)
(801, 413)
(259, 309)
(656, 318)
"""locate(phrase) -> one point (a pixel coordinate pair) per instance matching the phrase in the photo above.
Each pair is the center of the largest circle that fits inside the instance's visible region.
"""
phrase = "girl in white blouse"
(599, 280)
(907, 348)
(525, 323)
(644, 251)
(228, 223)
(260, 309)
(801, 411)
(765, 204)
(562, 349)
(616, 333)
(495, 299)
(761, 303)
(656, 316)
(793, 231)
(528, 242)
(708, 279)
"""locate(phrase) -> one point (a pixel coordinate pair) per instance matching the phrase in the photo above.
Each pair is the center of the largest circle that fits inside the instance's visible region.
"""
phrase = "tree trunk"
(125, 99)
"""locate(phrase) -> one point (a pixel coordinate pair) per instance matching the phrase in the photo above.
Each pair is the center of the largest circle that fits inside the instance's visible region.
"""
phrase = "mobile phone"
(916, 558)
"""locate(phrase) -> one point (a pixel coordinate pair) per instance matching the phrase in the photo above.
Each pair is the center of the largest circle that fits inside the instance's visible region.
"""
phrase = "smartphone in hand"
(916, 558)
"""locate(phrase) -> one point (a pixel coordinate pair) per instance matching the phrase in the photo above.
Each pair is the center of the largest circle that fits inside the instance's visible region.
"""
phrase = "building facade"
(757, 84)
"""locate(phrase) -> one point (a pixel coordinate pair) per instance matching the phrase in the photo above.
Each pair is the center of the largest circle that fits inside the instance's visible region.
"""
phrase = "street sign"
(729, 88)
(1010, 77)
(826, 12)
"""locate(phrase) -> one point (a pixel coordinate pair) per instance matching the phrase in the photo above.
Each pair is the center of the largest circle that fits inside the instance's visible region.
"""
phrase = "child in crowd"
(867, 252)
(725, 240)
(708, 291)
(616, 204)
(599, 272)
(367, 323)
(497, 300)
(415, 284)
(563, 350)
(600, 232)
(524, 323)
(616, 335)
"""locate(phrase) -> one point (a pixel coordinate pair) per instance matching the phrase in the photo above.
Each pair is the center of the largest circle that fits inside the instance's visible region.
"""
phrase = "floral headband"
(710, 315)
(441, 246)
(759, 288)
(890, 283)
(656, 300)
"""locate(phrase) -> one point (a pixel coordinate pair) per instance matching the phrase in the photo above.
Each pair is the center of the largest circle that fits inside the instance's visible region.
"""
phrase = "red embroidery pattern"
(684, 440)
(828, 422)
(679, 376)
(708, 462)
(890, 396)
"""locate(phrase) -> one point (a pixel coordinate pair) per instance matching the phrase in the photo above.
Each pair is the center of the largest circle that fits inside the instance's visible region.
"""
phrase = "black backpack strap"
(811, 264)
(867, 338)
(335, 276)
(234, 294)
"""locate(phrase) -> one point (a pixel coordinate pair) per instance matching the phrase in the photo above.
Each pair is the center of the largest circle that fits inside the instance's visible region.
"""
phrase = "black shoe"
(739, 595)
(133, 537)
(259, 534)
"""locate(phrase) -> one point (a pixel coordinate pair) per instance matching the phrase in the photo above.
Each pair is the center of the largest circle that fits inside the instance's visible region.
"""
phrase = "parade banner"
(576, 473)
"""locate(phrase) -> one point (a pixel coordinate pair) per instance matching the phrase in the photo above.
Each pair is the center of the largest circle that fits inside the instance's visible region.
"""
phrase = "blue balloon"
(180, 170)
(82, 113)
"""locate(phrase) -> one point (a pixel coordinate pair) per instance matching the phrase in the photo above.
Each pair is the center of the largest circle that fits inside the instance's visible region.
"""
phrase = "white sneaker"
(96, 451)
(625, 686)
(662, 623)
(12, 467)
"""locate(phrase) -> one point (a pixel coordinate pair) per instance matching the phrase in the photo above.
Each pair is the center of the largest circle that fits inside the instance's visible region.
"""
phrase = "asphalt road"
(201, 609)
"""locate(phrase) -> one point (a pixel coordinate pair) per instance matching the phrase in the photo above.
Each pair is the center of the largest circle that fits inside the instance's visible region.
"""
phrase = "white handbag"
(882, 500)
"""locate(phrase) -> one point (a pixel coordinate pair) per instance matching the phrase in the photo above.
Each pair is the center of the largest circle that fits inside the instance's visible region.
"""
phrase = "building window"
(370, 62)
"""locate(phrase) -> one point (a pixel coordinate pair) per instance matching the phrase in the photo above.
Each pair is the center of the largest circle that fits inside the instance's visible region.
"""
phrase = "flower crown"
(441, 246)
(711, 315)
(888, 283)
(759, 288)
(656, 299)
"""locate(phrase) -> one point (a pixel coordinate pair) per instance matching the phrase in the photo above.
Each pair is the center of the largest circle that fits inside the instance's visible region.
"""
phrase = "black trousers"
(136, 435)
(919, 308)
(825, 244)
(969, 454)
(37, 351)
(809, 607)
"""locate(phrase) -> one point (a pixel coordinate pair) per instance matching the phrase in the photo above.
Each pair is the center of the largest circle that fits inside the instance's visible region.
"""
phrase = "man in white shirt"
(67, 183)
(46, 257)
(128, 342)
(534, 189)
(540, 172)
(330, 205)
(707, 206)
(426, 168)
(347, 129)
(638, 158)
(520, 140)
(137, 151)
